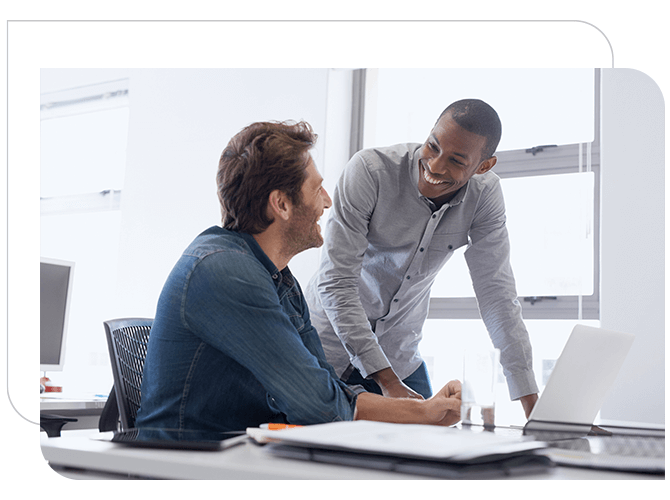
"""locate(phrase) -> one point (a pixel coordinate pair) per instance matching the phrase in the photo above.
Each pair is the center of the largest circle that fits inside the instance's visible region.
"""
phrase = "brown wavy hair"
(262, 157)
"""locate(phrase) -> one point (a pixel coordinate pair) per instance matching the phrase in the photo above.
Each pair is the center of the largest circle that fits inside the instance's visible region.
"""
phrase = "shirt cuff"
(522, 384)
(370, 362)
(356, 389)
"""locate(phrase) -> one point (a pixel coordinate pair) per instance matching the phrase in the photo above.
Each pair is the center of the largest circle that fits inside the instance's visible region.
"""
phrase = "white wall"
(180, 121)
(633, 239)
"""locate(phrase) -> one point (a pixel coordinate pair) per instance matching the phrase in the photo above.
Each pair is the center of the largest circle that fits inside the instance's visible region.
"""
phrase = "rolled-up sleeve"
(488, 258)
(354, 201)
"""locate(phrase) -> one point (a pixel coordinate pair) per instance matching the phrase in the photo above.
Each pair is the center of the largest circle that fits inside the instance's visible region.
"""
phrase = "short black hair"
(478, 117)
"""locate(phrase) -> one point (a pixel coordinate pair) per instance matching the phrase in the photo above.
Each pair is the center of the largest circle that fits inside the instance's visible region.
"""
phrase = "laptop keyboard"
(628, 446)
(621, 453)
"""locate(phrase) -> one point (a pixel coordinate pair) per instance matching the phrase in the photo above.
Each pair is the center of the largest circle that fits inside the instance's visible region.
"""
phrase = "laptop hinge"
(550, 431)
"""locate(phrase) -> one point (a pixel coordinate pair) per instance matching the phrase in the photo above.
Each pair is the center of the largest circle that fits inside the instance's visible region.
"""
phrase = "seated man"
(232, 345)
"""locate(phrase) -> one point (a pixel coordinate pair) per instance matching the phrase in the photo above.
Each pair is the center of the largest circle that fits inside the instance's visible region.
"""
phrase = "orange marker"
(276, 427)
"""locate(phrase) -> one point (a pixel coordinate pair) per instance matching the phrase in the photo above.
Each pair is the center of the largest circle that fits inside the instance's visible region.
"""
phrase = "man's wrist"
(528, 402)
(385, 377)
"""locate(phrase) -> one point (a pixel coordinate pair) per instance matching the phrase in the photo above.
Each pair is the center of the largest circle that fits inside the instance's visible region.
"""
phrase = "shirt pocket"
(441, 248)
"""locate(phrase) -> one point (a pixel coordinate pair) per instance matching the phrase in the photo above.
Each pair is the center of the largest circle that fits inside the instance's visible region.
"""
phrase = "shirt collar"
(277, 275)
(259, 253)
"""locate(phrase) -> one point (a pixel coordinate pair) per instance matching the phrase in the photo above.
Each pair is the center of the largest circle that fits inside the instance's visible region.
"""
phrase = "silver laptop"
(580, 381)
(565, 412)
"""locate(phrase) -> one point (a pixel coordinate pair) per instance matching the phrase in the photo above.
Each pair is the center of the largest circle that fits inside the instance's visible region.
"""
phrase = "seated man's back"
(232, 345)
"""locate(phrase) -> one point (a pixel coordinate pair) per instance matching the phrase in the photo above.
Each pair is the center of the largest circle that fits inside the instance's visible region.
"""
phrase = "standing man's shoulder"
(375, 172)
(486, 184)
(384, 157)
(486, 180)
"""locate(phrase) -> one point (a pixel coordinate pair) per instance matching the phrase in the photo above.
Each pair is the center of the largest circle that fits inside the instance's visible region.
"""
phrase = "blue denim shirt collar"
(277, 276)
(259, 253)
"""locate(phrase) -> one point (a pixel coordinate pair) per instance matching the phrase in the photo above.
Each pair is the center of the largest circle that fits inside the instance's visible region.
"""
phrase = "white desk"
(86, 411)
(77, 450)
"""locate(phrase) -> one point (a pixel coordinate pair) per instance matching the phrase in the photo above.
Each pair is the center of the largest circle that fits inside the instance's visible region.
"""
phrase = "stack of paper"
(425, 442)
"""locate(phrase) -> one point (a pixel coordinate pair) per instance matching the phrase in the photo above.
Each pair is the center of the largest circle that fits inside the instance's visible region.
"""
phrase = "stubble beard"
(303, 233)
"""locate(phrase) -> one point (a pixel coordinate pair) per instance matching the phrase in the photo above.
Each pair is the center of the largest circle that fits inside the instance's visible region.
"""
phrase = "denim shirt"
(232, 345)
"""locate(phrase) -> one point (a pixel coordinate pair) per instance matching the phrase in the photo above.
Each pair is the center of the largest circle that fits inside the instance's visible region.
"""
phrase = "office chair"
(127, 341)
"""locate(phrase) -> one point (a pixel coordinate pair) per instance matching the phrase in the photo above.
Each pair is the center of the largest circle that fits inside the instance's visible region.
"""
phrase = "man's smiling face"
(449, 158)
(304, 231)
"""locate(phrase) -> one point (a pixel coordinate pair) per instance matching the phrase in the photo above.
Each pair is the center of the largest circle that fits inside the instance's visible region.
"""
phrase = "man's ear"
(279, 205)
(486, 165)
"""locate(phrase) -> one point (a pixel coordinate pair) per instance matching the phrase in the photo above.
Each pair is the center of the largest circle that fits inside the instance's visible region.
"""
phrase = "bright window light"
(536, 106)
(551, 236)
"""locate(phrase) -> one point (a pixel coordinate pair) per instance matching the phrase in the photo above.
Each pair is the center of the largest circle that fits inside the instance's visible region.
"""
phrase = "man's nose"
(327, 202)
(437, 165)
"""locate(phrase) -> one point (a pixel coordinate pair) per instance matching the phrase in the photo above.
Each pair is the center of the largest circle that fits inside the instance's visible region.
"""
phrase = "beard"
(304, 232)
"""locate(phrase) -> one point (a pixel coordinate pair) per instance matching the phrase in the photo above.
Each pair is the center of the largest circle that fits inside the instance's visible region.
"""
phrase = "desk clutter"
(286, 455)
(443, 452)
(468, 452)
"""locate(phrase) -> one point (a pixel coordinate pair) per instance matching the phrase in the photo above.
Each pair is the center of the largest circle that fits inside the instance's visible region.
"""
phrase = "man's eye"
(432, 146)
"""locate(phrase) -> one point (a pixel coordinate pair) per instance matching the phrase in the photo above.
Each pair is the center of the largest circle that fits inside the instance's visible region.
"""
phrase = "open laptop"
(565, 412)
(580, 381)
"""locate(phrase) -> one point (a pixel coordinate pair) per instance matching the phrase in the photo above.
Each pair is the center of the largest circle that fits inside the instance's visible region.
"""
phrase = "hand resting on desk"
(444, 408)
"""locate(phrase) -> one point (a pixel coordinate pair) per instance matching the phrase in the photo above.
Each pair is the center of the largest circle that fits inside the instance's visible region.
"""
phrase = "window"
(534, 105)
(548, 161)
(547, 226)
(83, 157)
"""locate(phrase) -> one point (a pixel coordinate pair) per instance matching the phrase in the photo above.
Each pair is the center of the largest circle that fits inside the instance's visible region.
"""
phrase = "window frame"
(531, 161)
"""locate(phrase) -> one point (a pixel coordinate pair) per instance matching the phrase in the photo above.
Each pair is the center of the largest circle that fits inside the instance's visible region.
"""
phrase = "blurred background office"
(128, 163)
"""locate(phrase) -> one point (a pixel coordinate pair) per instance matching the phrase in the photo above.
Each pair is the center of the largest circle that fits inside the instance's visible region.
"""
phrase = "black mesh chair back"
(127, 340)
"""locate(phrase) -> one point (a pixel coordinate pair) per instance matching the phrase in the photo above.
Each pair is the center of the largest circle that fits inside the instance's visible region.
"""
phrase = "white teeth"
(430, 179)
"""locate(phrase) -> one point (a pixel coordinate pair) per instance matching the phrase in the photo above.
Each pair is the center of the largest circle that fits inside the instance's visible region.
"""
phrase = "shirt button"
(407, 277)
(434, 215)
(395, 300)
(421, 249)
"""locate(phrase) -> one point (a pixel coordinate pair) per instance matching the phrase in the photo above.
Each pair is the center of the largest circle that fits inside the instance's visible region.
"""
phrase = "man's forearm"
(371, 406)
(385, 377)
(442, 409)
(392, 386)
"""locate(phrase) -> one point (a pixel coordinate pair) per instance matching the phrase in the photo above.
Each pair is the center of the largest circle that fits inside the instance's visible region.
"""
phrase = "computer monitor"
(56, 278)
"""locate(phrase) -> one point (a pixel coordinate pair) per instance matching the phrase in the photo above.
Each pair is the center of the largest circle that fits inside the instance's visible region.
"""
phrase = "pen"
(276, 427)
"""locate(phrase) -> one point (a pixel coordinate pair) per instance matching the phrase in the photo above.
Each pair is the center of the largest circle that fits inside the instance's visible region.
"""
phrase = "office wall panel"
(633, 239)
(180, 121)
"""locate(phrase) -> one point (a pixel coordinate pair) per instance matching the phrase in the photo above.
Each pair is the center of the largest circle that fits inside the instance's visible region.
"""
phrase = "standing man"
(398, 214)
(232, 345)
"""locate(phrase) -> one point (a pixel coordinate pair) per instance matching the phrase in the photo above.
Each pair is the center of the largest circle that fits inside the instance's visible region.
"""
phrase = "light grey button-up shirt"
(384, 245)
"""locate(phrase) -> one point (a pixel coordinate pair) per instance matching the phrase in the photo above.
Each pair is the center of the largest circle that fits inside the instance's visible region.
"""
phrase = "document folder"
(415, 449)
